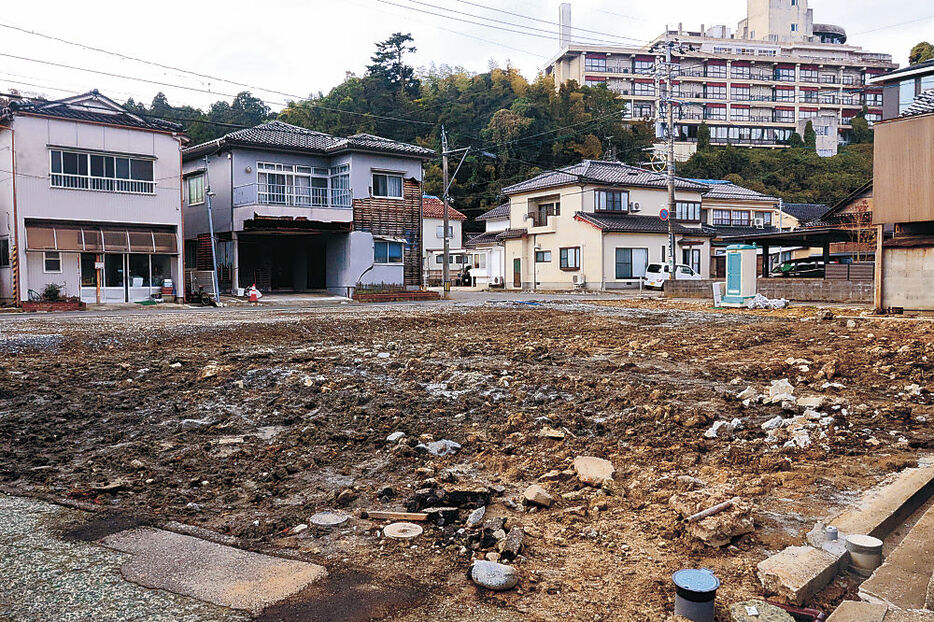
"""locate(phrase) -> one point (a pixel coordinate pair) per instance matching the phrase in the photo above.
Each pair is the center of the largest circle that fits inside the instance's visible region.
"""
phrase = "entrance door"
(517, 272)
(734, 275)
(114, 278)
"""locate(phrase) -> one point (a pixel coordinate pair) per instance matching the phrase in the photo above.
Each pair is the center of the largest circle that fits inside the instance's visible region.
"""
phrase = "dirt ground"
(248, 422)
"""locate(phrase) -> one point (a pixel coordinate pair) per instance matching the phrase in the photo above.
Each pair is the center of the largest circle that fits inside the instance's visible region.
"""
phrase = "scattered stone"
(395, 437)
(774, 423)
(779, 389)
(383, 355)
(511, 545)
(718, 529)
(548, 432)
(851, 323)
(329, 519)
(194, 424)
(346, 496)
(297, 529)
(441, 516)
(758, 611)
(724, 427)
(748, 394)
(492, 556)
(811, 403)
(593, 471)
(824, 314)
(913, 390)
(441, 448)
(536, 495)
(402, 531)
(493, 575)
(476, 517)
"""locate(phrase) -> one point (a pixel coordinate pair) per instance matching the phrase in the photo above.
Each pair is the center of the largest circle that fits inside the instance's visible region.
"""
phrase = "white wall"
(432, 241)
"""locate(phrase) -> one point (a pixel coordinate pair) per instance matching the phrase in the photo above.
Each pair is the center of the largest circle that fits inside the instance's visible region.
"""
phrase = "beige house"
(597, 225)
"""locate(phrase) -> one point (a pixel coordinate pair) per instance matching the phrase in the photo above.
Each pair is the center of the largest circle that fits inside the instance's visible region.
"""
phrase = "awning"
(78, 238)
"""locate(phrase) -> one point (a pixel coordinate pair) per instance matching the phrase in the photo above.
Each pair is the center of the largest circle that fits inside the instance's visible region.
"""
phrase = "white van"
(656, 274)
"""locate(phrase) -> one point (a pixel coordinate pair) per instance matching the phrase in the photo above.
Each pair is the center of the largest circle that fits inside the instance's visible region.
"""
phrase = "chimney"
(564, 25)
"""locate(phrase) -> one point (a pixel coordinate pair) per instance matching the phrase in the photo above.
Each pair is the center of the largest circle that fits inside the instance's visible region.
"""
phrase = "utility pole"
(670, 123)
(446, 271)
(209, 195)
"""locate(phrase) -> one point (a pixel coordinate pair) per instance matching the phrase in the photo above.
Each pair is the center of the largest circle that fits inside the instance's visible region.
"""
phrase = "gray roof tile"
(111, 112)
(725, 190)
(600, 172)
(805, 212)
(613, 222)
(923, 104)
(500, 212)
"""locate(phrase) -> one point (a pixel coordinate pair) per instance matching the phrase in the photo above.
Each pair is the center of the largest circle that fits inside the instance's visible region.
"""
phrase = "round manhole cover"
(402, 531)
(329, 519)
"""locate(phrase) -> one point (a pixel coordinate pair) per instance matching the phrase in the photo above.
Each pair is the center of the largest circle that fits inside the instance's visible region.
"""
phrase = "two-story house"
(597, 225)
(297, 210)
(90, 200)
(433, 240)
(488, 261)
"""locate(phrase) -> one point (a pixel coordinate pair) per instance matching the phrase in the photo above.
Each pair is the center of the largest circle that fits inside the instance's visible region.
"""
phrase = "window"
(739, 114)
(783, 116)
(631, 262)
(715, 91)
(570, 258)
(716, 71)
(479, 261)
(611, 201)
(643, 66)
(873, 99)
(387, 252)
(687, 211)
(51, 262)
(807, 114)
(794, 28)
(542, 256)
(439, 259)
(196, 190)
(296, 185)
(594, 82)
(105, 173)
(784, 95)
(387, 186)
(739, 218)
(439, 232)
(808, 75)
(644, 88)
(766, 218)
(690, 257)
(595, 63)
(543, 211)
(740, 71)
(785, 74)
(716, 113)
(906, 94)
(740, 93)
(4, 252)
(643, 111)
(822, 130)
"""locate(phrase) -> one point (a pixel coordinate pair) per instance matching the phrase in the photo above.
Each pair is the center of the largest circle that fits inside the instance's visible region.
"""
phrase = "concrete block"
(798, 572)
(929, 600)
(855, 611)
(903, 579)
(881, 509)
(895, 615)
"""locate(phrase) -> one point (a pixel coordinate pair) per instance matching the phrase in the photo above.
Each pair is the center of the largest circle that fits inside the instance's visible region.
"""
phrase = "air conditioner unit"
(634, 206)
(497, 280)
(758, 223)
(579, 280)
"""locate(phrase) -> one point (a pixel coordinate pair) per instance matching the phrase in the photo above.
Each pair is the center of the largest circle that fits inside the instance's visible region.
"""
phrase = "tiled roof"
(611, 222)
(724, 232)
(512, 234)
(286, 137)
(91, 107)
(805, 212)
(601, 172)
(433, 207)
(923, 104)
(726, 191)
(500, 212)
(490, 237)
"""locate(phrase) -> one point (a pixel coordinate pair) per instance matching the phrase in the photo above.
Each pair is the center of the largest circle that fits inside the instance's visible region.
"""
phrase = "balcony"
(292, 196)
(102, 184)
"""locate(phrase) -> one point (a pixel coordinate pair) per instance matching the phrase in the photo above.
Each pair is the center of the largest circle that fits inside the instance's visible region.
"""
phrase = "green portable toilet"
(740, 275)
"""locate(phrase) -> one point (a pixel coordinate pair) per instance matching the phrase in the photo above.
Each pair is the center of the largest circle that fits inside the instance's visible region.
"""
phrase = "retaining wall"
(800, 290)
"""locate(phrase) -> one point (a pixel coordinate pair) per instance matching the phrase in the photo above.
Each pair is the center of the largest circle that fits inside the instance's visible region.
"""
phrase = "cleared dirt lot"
(249, 422)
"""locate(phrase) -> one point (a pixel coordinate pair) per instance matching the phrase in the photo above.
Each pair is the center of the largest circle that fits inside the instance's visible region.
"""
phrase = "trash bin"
(696, 590)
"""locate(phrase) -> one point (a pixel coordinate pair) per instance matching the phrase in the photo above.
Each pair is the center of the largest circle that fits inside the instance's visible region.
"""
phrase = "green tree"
(921, 52)
(703, 137)
(795, 141)
(861, 133)
(810, 136)
(388, 65)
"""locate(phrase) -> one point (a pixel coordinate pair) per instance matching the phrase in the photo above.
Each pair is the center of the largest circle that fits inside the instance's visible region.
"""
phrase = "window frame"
(439, 231)
(724, 220)
(601, 202)
(542, 256)
(690, 208)
(631, 263)
(111, 179)
(387, 175)
(45, 262)
(388, 256)
(196, 177)
(740, 222)
(569, 258)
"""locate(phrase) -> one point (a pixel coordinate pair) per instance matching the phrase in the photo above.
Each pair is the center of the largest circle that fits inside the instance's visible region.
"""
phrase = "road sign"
(664, 214)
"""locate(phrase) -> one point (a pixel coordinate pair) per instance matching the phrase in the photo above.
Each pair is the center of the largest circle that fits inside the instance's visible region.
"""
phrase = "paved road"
(46, 577)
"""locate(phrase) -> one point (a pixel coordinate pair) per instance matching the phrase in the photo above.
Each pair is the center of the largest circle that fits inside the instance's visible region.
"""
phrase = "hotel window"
(873, 99)
(631, 262)
(721, 217)
(739, 218)
(687, 211)
(196, 189)
(611, 201)
(90, 171)
(784, 95)
(716, 71)
(644, 88)
(722, 50)
(387, 186)
(872, 117)
(809, 96)
(387, 252)
(595, 63)
(739, 114)
(570, 258)
(740, 93)
(643, 66)
(785, 74)
(807, 114)
(715, 91)
(808, 75)
(740, 71)
(642, 111)
(542, 256)
(783, 116)
(715, 113)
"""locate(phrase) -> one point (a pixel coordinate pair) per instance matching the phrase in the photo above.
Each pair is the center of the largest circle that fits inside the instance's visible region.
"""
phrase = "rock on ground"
(717, 530)
(536, 495)
(494, 576)
(593, 471)
(758, 611)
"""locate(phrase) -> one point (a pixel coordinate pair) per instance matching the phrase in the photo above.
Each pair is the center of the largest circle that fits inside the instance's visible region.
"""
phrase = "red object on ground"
(253, 296)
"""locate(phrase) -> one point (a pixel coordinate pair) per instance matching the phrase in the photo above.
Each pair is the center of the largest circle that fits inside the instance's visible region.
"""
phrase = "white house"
(488, 257)
(433, 240)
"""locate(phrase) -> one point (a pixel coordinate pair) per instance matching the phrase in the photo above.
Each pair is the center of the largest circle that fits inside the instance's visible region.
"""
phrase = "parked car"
(807, 268)
(656, 274)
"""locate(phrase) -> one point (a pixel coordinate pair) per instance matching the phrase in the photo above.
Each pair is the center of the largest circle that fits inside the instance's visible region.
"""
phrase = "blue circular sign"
(664, 214)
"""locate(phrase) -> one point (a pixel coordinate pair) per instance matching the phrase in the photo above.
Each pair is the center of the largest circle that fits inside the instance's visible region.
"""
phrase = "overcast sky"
(298, 48)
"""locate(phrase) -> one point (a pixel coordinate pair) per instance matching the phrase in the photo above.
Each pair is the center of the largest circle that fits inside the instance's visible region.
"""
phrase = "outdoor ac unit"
(497, 280)
(579, 280)
(634, 206)
(758, 223)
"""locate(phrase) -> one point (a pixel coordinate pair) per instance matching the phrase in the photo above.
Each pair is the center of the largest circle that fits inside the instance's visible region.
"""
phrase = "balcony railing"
(102, 184)
(292, 196)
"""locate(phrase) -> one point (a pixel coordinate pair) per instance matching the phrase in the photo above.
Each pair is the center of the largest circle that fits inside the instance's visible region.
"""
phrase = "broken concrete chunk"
(441, 448)
(758, 611)
(780, 388)
(493, 575)
(720, 528)
(748, 394)
(797, 573)
(476, 517)
(547, 432)
(536, 495)
(593, 471)
(811, 403)
(395, 437)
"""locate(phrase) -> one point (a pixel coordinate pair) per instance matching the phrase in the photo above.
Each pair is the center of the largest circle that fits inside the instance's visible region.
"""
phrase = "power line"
(912, 21)
(545, 21)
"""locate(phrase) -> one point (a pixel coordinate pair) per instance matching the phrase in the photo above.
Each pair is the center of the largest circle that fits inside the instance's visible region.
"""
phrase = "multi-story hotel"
(755, 86)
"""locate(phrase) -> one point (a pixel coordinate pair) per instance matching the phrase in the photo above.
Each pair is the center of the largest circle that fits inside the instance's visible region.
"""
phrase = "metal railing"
(102, 184)
(292, 196)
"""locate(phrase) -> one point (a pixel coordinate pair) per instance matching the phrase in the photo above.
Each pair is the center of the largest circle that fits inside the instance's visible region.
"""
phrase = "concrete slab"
(210, 572)
(903, 578)
(798, 572)
(856, 611)
(908, 616)
(929, 600)
(883, 507)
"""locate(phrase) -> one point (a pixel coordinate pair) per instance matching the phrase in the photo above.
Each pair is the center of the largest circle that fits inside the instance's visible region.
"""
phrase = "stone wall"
(796, 290)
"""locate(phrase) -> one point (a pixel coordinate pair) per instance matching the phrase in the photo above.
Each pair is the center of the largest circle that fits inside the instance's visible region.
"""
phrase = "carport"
(816, 237)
